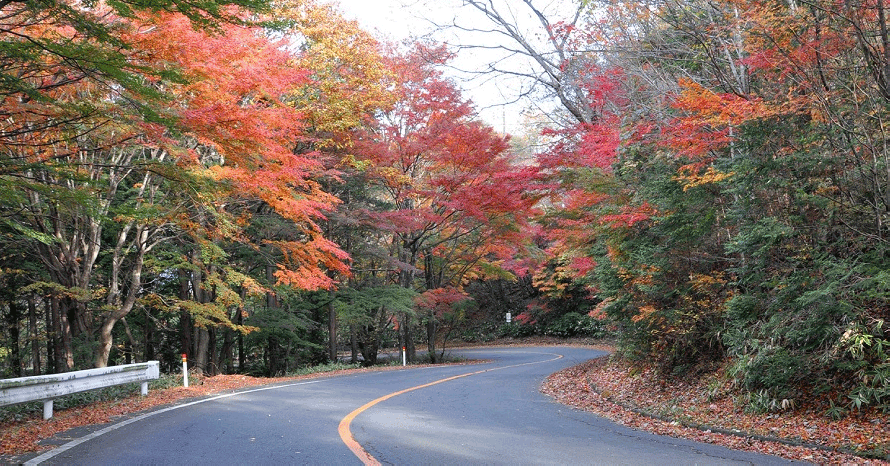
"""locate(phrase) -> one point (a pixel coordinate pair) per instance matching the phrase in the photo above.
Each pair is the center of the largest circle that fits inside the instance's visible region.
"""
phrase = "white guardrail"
(47, 387)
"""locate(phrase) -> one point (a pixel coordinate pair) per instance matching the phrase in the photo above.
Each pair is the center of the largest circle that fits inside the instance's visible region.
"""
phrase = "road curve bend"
(490, 413)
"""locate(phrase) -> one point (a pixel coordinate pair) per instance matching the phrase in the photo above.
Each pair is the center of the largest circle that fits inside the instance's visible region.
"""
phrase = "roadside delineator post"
(185, 371)
(404, 357)
(47, 409)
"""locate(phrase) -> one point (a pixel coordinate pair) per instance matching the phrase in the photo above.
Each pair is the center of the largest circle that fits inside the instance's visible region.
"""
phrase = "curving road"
(490, 413)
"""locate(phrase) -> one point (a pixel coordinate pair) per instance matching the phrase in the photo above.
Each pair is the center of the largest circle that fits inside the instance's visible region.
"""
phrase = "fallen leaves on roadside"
(615, 390)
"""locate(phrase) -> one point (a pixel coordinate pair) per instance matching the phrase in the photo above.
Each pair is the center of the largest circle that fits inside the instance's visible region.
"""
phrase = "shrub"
(573, 324)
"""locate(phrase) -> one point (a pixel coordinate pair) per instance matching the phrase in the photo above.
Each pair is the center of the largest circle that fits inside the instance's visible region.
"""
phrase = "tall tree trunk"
(381, 327)
(186, 332)
(34, 336)
(406, 280)
(119, 309)
(408, 337)
(242, 362)
(433, 281)
(131, 342)
(226, 352)
(79, 320)
(148, 337)
(353, 344)
(13, 319)
(332, 328)
(202, 336)
(271, 297)
(431, 339)
(52, 343)
(213, 363)
(274, 352)
(65, 351)
(185, 319)
(369, 345)
(201, 351)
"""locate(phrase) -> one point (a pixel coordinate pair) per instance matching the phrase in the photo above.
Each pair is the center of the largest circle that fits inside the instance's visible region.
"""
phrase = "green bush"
(867, 354)
(321, 368)
(516, 330)
(573, 324)
(777, 371)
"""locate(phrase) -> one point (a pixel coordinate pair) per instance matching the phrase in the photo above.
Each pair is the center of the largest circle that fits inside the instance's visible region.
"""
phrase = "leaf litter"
(706, 409)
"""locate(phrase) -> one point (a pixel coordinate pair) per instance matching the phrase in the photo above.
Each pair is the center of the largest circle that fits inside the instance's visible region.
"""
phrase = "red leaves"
(441, 301)
(594, 144)
(525, 318)
(629, 216)
(447, 177)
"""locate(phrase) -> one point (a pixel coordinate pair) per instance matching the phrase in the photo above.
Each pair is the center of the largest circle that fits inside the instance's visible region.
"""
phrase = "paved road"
(489, 413)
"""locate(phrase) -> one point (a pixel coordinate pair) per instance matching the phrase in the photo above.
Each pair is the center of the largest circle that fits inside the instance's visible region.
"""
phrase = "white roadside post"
(404, 357)
(185, 371)
(47, 409)
(509, 318)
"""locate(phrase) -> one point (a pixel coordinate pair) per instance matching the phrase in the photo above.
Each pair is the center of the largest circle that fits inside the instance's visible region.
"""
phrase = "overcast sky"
(395, 18)
(401, 19)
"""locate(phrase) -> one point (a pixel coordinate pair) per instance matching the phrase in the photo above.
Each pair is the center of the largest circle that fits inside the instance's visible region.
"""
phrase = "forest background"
(261, 184)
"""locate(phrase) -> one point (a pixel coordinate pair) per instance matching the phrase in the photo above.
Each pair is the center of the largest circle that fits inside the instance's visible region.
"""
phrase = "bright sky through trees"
(398, 20)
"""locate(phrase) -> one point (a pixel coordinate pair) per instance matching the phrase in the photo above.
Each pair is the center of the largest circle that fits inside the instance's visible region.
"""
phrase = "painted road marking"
(74, 443)
(367, 458)
(343, 428)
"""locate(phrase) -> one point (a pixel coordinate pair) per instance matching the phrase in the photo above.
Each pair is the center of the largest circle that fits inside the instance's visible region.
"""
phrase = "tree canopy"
(261, 185)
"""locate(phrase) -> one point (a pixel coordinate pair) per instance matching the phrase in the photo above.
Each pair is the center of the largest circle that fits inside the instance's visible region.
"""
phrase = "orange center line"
(367, 458)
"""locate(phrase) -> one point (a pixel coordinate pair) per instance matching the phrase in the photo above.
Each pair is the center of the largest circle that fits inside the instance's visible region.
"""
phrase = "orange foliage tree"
(218, 142)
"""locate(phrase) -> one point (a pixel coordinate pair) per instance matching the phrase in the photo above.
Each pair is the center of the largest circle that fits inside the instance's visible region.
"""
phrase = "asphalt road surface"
(481, 414)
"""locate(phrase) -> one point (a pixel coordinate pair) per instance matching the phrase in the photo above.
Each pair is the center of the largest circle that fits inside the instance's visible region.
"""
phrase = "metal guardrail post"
(48, 387)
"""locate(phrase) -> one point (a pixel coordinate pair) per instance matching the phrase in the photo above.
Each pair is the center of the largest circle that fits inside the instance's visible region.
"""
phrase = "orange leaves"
(645, 313)
(788, 46)
(705, 284)
(557, 279)
(348, 79)
(717, 110)
(237, 108)
(708, 119)
(599, 311)
(690, 178)
(231, 102)
(310, 264)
